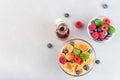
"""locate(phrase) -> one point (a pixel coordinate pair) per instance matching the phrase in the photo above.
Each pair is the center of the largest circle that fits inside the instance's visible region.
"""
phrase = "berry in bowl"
(77, 57)
(100, 29)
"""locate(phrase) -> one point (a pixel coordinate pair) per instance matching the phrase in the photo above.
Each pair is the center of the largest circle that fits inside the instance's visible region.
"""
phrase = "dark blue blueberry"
(105, 6)
(65, 51)
(95, 30)
(91, 32)
(72, 61)
(86, 67)
(90, 51)
(98, 39)
(107, 38)
(96, 19)
(109, 35)
(101, 39)
(104, 33)
(72, 43)
(97, 61)
(77, 72)
(99, 29)
(49, 45)
(66, 15)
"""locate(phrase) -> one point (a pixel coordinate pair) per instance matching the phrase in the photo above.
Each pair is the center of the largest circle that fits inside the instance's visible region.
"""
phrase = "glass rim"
(93, 61)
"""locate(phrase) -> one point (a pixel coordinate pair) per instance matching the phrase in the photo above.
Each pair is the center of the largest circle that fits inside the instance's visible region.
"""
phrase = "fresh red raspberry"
(107, 21)
(92, 26)
(104, 27)
(101, 36)
(78, 24)
(62, 60)
(95, 35)
(77, 59)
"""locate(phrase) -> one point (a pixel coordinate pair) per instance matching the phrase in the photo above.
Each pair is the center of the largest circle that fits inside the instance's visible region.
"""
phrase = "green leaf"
(84, 56)
(76, 52)
(99, 23)
(111, 30)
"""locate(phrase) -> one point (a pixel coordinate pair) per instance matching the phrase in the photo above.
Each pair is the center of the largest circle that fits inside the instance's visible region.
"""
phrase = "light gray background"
(26, 26)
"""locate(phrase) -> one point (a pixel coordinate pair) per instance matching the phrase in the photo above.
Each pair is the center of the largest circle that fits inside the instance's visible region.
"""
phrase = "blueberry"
(101, 39)
(109, 35)
(86, 67)
(72, 43)
(65, 51)
(49, 45)
(98, 39)
(95, 30)
(107, 38)
(97, 61)
(91, 32)
(104, 33)
(105, 6)
(99, 29)
(72, 61)
(90, 51)
(66, 15)
(77, 72)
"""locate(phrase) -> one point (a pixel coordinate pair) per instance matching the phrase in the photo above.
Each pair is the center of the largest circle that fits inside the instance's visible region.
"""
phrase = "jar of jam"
(62, 30)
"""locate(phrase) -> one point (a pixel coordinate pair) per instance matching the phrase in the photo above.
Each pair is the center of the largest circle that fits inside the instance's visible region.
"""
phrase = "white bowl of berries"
(101, 29)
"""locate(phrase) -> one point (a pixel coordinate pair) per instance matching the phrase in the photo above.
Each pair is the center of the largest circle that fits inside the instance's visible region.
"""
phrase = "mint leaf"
(84, 56)
(76, 52)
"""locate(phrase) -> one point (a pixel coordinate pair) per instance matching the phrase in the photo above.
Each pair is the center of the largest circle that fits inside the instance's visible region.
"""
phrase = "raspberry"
(62, 60)
(107, 21)
(92, 26)
(77, 59)
(101, 36)
(95, 35)
(78, 24)
(104, 27)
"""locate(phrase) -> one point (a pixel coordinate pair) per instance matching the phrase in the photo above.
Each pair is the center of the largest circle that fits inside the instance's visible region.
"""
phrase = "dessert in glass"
(77, 57)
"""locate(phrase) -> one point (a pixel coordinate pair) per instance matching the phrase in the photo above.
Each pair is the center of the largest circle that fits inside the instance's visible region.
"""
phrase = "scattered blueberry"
(77, 72)
(91, 32)
(105, 33)
(65, 51)
(66, 15)
(86, 67)
(72, 61)
(105, 6)
(90, 51)
(97, 61)
(72, 43)
(49, 45)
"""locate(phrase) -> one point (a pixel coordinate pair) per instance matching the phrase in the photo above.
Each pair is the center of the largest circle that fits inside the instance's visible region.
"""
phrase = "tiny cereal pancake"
(68, 66)
(80, 68)
(84, 47)
(75, 65)
(89, 61)
(82, 63)
(77, 45)
(69, 56)
(69, 48)
(62, 54)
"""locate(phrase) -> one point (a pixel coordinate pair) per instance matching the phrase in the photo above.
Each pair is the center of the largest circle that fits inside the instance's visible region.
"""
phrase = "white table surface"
(26, 26)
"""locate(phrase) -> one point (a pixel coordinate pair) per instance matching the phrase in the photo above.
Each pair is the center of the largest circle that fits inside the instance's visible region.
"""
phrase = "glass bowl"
(108, 36)
(77, 57)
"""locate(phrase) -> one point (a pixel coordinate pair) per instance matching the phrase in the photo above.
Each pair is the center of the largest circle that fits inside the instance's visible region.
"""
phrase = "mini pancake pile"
(76, 58)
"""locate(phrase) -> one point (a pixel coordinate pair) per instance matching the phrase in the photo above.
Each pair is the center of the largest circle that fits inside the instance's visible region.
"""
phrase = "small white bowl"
(101, 18)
